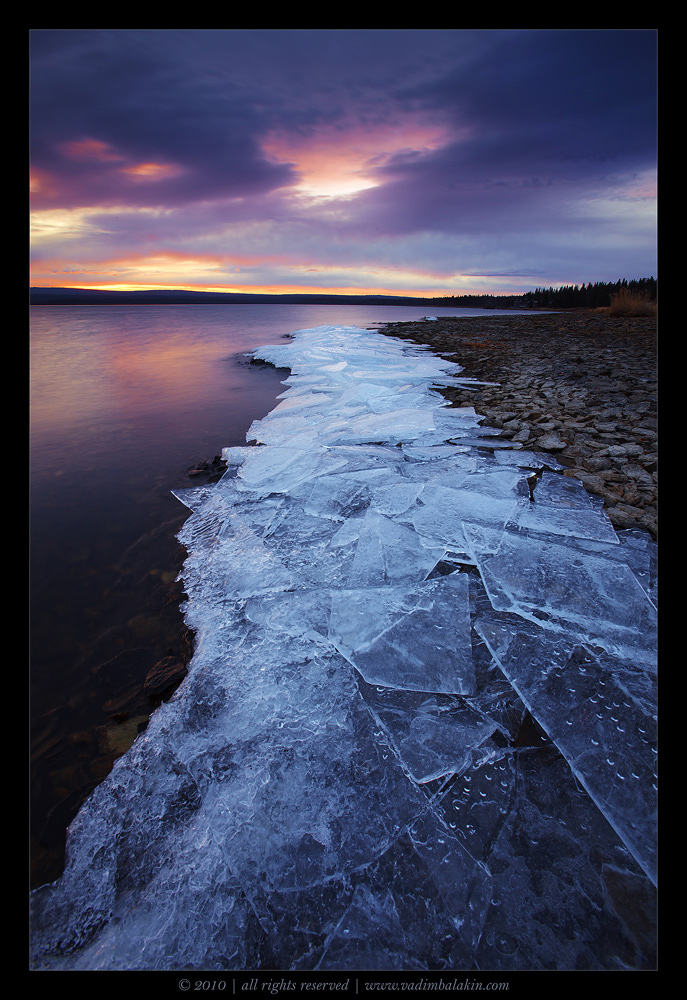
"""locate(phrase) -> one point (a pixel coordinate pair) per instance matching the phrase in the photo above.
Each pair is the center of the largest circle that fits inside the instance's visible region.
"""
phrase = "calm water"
(125, 400)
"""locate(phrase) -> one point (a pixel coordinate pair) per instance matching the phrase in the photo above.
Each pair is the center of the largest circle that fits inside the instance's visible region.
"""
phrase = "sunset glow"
(289, 160)
(335, 163)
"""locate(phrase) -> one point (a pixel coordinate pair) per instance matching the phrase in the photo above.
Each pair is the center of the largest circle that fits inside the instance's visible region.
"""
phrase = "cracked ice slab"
(567, 586)
(600, 712)
(342, 780)
(426, 648)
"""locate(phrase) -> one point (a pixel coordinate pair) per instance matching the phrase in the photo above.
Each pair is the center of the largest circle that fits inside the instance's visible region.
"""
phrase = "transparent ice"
(419, 727)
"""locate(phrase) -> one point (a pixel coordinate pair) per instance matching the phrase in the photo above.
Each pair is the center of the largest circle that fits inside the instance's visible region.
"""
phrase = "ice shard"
(419, 727)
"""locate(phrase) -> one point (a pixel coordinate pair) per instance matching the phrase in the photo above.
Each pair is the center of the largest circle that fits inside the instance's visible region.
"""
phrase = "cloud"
(109, 91)
(487, 153)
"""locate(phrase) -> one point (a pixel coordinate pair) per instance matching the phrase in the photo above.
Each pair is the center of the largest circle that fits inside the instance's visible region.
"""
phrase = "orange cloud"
(174, 269)
(41, 182)
(139, 267)
(89, 149)
(114, 286)
(151, 171)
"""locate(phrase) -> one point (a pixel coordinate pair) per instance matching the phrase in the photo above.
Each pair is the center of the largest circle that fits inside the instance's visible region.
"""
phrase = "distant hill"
(92, 296)
(589, 296)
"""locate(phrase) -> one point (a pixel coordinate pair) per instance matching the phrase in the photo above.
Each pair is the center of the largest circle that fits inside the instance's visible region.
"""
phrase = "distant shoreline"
(83, 296)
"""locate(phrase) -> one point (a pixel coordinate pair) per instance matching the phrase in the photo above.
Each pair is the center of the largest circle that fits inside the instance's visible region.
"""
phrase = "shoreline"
(520, 352)
(580, 385)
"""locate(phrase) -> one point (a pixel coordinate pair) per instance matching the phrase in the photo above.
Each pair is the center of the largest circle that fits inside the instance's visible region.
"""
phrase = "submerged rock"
(166, 674)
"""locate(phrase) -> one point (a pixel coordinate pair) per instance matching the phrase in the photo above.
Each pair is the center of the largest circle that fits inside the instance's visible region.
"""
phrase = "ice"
(434, 735)
(559, 874)
(338, 497)
(418, 730)
(584, 515)
(600, 713)
(427, 649)
(565, 586)
(444, 510)
(387, 552)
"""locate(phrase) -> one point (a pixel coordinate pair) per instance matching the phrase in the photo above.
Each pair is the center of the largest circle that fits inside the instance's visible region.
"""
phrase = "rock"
(594, 484)
(167, 673)
(620, 518)
(523, 435)
(630, 510)
(124, 669)
(595, 464)
(639, 474)
(625, 450)
(551, 442)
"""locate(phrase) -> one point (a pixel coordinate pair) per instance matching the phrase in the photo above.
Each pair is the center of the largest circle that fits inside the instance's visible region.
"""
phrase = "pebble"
(580, 384)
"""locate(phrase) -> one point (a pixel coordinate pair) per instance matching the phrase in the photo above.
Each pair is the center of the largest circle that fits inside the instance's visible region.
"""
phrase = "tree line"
(584, 296)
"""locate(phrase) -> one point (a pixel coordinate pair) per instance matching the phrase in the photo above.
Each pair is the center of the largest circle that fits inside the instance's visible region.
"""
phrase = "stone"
(630, 510)
(621, 519)
(550, 442)
(124, 668)
(167, 673)
(635, 473)
(592, 483)
(629, 450)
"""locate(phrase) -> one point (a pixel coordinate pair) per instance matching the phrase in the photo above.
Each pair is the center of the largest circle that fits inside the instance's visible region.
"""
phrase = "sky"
(426, 162)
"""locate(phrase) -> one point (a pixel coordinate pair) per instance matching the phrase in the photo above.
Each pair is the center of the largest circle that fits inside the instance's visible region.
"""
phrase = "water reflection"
(124, 402)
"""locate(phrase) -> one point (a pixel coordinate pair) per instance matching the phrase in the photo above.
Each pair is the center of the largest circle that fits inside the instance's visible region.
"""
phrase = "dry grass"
(628, 303)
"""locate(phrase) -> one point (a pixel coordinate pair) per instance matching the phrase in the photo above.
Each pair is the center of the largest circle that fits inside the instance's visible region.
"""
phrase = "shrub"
(629, 303)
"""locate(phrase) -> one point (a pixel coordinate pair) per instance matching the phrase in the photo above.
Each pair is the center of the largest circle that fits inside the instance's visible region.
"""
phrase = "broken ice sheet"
(562, 506)
(388, 427)
(444, 510)
(640, 553)
(420, 906)
(396, 498)
(605, 732)
(314, 549)
(302, 613)
(434, 735)
(564, 584)
(235, 563)
(428, 452)
(447, 471)
(388, 552)
(427, 648)
(275, 469)
(338, 784)
(558, 870)
(360, 616)
(338, 497)
(527, 459)
(195, 497)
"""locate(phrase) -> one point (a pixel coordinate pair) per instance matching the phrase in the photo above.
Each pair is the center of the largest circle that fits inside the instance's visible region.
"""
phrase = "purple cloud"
(543, 133)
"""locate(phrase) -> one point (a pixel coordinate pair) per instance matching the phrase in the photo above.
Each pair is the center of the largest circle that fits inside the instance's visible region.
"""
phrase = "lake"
(125, 403)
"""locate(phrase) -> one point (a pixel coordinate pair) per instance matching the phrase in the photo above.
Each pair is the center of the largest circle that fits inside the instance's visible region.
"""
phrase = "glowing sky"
(404, 161)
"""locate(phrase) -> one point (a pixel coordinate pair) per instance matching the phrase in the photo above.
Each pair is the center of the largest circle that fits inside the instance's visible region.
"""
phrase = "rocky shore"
(581, 386)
